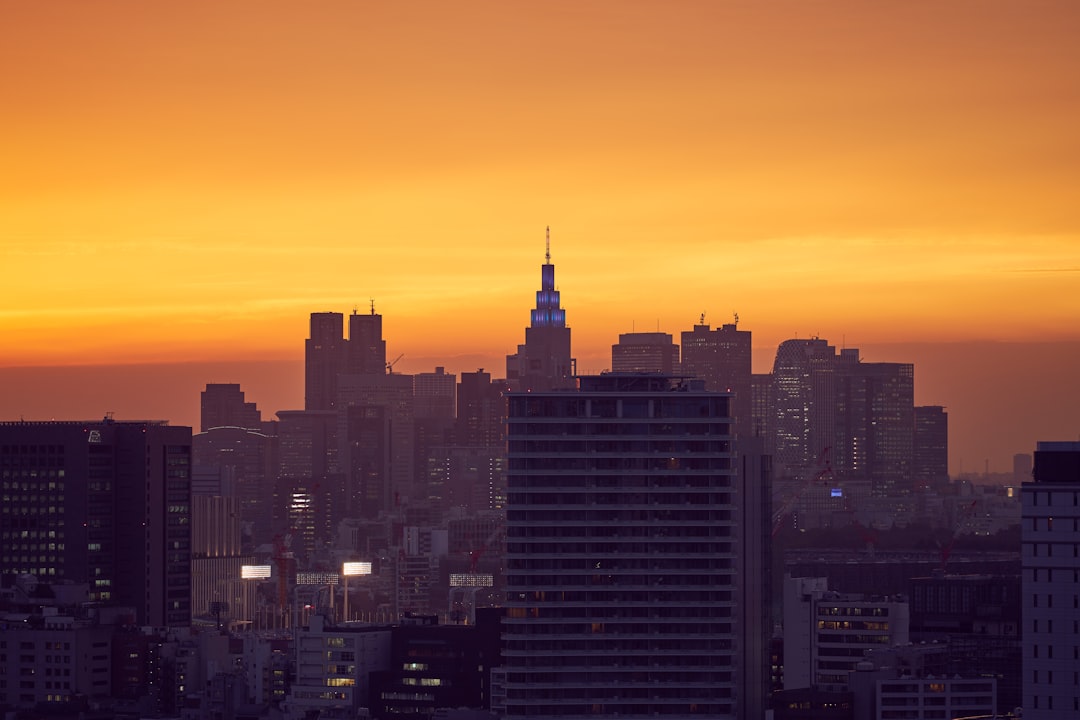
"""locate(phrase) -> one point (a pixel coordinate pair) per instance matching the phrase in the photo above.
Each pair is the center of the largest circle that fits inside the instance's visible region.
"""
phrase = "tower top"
(547, 245)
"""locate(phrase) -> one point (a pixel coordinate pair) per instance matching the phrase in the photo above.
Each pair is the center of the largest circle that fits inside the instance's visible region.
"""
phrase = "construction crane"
(390, 365)
(824, 463)
(947, 548)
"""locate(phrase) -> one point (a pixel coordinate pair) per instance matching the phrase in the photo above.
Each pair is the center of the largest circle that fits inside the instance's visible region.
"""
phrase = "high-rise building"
(622, 558)
(645, 352)
(875, 423)
(367, 349)
(324, 360)
(762, 409)
(804, 396)
(245, 461)
(1050, 545)
(376, 434)
(930, 458)
(103, 503)
(832, 410)
(544, 362)
(722, 358)
(223, 405)
(435, 394)
(481, 411)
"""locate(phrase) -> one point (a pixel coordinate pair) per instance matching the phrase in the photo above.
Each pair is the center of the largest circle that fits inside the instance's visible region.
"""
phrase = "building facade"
(622, 564)
(1051, 582)
(104, 503)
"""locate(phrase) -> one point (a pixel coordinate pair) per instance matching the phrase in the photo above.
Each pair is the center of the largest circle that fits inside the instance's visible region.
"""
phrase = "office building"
(930, 457)
(223, 405)
(645, 353)
(804, 397)
(622, 558)
(481, 411)
(103, 503)
(1051, 582)
(366, 353)
(244, 461)
(826, 632)
(874, 423)
(324, 360)
(543, 362)
(722, 358)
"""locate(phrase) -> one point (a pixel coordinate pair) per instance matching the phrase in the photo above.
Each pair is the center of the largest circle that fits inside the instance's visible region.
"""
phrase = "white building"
(333, 665)
(827, 633)
(1050, 536)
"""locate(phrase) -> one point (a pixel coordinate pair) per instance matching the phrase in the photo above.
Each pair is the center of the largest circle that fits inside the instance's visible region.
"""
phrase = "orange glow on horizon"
(190, 181)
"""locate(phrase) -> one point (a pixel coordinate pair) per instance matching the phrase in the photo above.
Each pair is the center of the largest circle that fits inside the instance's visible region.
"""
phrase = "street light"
(347, 570)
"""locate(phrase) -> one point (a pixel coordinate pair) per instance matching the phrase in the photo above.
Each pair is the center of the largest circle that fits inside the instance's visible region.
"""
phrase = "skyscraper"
(722, 358)
(804, 397)
(645, 352)
(103, 503)
(1050, 544)
(324, 360)
(543, 362)
(875, 423)
(622, 518)
(367, 349)
(930, 458)
(223, 405)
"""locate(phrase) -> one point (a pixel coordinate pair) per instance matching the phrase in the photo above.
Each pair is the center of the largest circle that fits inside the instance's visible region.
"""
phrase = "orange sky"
(189, 180)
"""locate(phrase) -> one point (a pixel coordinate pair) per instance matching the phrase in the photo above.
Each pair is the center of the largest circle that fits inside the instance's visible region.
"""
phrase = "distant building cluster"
(638, 543)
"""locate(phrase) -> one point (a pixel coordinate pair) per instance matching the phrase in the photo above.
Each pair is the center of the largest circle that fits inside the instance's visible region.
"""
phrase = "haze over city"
(186, 183)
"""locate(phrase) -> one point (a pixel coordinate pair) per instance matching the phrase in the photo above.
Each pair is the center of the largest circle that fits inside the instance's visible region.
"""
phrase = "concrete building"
(622, 559)
(324, 360)
(826, 633)
(930, 461)
(334, 664)
(722, 358)
(223, 405)
(1050, 536)
(645, 352)
(103, 503)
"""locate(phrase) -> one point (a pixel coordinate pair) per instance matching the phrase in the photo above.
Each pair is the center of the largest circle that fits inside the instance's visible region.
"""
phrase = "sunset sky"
(184, 182)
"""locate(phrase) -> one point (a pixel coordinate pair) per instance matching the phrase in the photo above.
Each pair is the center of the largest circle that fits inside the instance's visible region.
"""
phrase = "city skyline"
(189, 182)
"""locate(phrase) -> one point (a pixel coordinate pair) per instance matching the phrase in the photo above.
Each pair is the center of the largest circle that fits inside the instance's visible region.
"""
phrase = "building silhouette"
(645, 352)
(324, 360)
(722, 358)
(930, 457)
(622, 558)
(834, 411)
(1051, 581)
(103, 503)
(223, 405)
(543, 362)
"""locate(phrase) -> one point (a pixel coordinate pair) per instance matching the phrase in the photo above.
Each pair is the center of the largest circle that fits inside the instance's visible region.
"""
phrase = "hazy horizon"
(988, 419)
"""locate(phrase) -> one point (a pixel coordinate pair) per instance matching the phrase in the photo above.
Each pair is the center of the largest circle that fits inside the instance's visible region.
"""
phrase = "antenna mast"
(547, 245)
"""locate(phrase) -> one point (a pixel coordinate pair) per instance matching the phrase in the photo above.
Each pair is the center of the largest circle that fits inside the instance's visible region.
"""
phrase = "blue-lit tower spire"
(547, 312)
(544, 362)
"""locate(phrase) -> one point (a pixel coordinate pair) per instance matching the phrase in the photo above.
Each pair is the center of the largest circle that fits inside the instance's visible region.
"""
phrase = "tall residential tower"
(622, 558)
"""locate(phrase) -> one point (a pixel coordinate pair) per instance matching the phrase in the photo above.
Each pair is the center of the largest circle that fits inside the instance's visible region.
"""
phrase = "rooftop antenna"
(354, 309)
(701, 320)
(736, 318)
(547, 245)
(372, 300)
